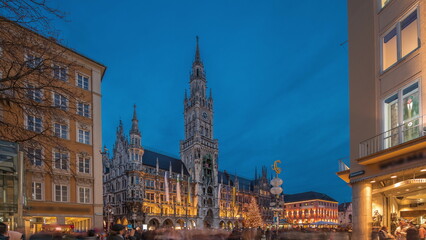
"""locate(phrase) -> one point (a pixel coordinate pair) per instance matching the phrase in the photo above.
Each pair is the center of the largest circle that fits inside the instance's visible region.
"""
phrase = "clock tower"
(199, 149)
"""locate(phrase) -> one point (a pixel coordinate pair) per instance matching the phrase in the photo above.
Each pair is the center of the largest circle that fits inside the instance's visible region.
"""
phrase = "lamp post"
(134, 210)
(110, 213)
(276, 190)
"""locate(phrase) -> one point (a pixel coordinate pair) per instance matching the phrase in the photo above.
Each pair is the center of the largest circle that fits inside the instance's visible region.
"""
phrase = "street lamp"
(110, 214)
(276, 190)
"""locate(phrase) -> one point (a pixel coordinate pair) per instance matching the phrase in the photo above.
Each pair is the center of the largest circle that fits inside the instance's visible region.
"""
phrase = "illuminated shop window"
(401, 116)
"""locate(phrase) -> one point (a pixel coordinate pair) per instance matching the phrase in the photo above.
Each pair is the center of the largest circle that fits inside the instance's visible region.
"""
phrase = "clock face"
(204, 115)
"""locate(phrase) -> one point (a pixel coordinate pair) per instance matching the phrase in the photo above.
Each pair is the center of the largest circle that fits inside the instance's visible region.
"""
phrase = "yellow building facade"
(57, 122)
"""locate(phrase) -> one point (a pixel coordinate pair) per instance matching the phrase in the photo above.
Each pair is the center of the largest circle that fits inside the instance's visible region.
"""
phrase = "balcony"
(409, 136)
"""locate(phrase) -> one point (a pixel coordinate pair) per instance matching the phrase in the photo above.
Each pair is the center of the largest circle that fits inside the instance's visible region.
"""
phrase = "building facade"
(387, 135)
(57, 121)
(147, 187)
(309, 208)
(345, 214)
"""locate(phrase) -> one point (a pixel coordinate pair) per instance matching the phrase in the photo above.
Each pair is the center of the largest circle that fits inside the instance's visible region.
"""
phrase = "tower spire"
(197, 52)
(135, 127)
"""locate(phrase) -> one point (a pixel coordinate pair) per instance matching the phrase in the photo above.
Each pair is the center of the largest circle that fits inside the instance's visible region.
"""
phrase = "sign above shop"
(355, 174)
(415, 157)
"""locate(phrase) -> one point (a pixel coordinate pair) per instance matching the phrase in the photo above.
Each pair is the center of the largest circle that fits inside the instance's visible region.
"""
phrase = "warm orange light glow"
(393, 176)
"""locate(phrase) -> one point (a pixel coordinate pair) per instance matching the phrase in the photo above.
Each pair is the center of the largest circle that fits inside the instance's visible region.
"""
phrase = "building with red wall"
(310, 207)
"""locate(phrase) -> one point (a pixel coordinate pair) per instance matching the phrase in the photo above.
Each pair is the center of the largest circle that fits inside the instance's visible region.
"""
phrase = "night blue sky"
(278, 73)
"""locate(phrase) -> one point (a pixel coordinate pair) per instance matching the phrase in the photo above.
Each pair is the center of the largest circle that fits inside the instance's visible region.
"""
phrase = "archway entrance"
(191, 224)
(168, 223)
(230, 225)
(180, 224)
(237, 224)
(208, 220)
(222, 225)
(153, 224)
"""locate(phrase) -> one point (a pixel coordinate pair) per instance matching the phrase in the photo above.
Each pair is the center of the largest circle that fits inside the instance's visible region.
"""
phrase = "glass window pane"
(391, 135)
(411, 105)
(409, 34)
(389, 49)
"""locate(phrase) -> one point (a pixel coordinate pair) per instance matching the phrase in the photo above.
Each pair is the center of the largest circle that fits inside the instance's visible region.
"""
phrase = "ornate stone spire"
(120, 128)
(135, 127)
(197, 53)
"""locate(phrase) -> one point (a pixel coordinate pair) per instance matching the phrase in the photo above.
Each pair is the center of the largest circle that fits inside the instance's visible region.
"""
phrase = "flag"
(178, 199)
(218, 194)
(189, 189)
(166, 186)
(234, 191)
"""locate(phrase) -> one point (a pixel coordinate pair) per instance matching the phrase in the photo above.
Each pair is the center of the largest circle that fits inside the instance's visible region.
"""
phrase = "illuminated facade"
(345, 214)
(147, 187)
(310, 207)
(387, 128)
(61, 187)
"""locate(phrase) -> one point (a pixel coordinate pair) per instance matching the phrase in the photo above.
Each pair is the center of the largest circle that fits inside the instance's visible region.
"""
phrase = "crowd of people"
(120, 232)
(405, 231)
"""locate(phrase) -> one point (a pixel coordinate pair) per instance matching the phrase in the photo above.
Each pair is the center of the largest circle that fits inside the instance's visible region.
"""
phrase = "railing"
(342, 166)
(405, 132)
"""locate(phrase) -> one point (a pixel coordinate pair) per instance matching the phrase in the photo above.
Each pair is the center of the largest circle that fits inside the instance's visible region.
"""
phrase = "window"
(59, 73)
(150, 196)
(409, 34)
(61, 193)
(150, 184)
(60, 101)
(61, 160)
(34, 123)
(400, 40)
(34, 93)
(61, 130)
(36, 190)
(83, 109)
(83, 81)
(84, 164)
(84, 136)
(34, 156)
(84, 194)
(33, 61)
(401, 116)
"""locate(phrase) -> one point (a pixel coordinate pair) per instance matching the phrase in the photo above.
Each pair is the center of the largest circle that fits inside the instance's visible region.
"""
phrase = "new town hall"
(147, 187)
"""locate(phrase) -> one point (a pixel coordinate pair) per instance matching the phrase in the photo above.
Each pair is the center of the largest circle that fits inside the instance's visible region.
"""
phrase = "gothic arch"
(168, 223)
(230, 225)
(180, 223)
(153, 224)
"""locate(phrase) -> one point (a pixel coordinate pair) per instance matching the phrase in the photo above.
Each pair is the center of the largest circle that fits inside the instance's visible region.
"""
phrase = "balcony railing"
(405, 132)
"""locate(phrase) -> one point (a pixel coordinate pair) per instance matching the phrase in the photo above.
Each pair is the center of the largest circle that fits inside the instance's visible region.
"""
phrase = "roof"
(243, 183)
(344, 206)
(150, 159)
(298, 197)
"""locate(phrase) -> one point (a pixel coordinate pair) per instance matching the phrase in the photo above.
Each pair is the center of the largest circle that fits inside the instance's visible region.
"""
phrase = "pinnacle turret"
(197, 54)
(135, 134)
(135, 127)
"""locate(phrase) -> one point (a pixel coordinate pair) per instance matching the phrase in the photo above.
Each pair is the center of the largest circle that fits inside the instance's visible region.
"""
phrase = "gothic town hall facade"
(147, 188)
